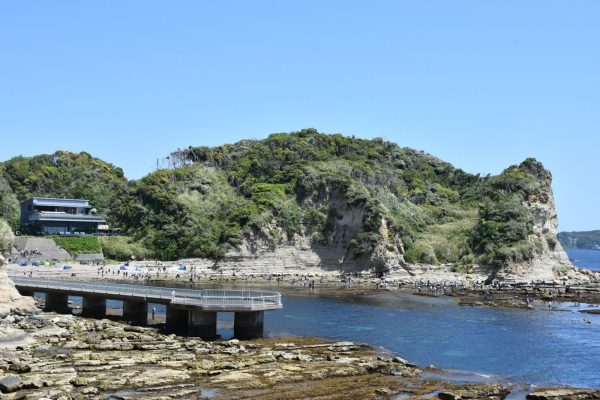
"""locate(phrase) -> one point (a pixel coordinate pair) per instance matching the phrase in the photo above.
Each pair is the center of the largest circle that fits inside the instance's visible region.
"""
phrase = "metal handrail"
(65, 216)
(203, 297)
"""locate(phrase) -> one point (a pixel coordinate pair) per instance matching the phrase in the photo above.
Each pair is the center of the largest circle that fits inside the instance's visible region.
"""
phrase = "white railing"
(199, 298)
(231, 298)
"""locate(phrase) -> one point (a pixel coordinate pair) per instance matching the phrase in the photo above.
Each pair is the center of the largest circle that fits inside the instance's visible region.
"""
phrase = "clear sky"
(481, 84)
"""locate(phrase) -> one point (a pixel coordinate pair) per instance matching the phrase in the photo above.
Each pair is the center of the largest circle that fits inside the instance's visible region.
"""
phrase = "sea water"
(585, 258)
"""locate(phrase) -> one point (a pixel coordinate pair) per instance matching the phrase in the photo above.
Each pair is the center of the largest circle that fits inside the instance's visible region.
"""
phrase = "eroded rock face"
(271, 251)
(10, 299)
(550, 257)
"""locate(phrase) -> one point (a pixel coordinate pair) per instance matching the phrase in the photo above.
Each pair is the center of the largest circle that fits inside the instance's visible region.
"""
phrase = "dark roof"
(48, 201)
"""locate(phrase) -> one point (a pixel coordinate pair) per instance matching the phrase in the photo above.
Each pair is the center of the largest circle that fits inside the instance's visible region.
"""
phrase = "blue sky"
(481, 84)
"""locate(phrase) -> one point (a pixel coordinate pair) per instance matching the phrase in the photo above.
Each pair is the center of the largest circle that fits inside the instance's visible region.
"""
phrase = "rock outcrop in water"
(550, 259)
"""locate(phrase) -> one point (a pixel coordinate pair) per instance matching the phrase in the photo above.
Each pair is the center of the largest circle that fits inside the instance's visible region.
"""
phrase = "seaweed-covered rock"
(492, 391)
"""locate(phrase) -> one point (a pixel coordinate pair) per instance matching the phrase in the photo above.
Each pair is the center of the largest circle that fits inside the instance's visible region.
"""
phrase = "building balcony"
(60, 216)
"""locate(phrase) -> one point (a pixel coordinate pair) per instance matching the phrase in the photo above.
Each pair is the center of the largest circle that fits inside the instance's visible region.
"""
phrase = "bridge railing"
(204, 297)
(99, 288)
(231, 298)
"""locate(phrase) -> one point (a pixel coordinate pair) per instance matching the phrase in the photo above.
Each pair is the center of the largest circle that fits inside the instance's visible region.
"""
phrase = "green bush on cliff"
(79, 245)
(122, 248)
(502, 231)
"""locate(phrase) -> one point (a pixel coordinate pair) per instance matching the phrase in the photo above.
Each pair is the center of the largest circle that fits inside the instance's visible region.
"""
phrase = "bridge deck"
(205, 299)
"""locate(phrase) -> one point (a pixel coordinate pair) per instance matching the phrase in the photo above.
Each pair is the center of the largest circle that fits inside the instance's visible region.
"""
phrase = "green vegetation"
(580, 240)
(66, 174)
(302, 182)
(446, 242)
(122, 248)
(337, 190)
(79, 245)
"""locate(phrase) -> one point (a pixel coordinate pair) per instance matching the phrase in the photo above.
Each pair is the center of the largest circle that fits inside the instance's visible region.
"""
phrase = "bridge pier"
(136, 312)
(26, 292)
(202, 324)
(57, 302)
(93, 307)
(192, 312)
(178, 320)
(248, 325)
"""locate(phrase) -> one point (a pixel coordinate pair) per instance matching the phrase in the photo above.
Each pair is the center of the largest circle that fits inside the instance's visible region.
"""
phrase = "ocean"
(585, 258)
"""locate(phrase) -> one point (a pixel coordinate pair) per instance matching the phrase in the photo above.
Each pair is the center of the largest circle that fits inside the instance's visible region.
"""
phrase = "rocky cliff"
(10, 299)
(307, 200)
(550, 260)
(537, 257)
(300, 255)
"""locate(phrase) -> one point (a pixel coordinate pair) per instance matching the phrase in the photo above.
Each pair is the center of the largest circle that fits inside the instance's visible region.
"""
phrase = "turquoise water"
(585, 258)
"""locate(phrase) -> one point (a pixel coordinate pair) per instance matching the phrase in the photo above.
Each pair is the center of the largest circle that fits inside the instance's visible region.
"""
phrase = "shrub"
(122, 248)
(552, 242)
(421, 253)
(79, 245)
(502, 224)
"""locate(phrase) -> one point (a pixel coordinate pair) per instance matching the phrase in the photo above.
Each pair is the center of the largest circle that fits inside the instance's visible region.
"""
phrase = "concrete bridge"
(189, 312)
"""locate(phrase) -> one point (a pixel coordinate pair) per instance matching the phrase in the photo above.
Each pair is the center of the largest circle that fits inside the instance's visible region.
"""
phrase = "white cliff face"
(10, 299)
(550, 260)
(546, 227)
(388, 254)
(270, 251)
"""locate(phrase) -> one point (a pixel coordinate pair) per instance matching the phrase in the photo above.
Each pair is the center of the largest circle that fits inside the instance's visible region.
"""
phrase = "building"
(48, 216)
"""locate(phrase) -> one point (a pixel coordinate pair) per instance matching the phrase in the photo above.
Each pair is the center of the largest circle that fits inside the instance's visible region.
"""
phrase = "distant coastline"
(589, 240)
(585, 258)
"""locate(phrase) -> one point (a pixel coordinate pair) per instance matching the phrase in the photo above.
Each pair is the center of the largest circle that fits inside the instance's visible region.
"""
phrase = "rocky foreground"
(65, 357)
(52, 356)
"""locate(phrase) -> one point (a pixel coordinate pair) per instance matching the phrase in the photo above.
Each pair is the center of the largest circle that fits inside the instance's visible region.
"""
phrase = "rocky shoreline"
(54, 356)
(579, 286)
(59, 357)
(66, 357)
